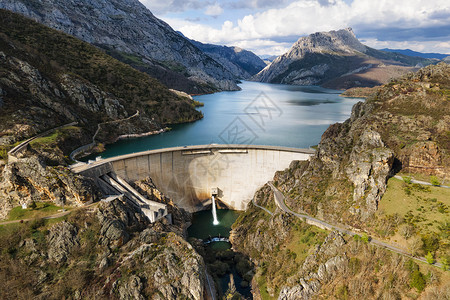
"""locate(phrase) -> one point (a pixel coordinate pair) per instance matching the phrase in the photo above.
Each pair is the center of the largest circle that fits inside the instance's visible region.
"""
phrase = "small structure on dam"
(189, 175)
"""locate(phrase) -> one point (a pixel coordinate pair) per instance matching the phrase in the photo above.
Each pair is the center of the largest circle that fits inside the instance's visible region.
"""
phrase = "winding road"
(280, 202)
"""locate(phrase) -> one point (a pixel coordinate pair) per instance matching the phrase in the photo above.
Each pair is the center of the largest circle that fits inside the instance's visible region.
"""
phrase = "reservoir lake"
(259, 114)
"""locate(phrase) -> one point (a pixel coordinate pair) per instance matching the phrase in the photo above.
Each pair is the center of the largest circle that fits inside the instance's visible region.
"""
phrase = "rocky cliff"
(336, 59)
(403, 126)
(127, 27)
(242, 63)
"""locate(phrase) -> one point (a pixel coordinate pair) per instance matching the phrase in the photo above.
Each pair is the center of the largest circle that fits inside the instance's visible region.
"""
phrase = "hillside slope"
(48, 79)
(242, 63)
(336, 59)
(128, 27)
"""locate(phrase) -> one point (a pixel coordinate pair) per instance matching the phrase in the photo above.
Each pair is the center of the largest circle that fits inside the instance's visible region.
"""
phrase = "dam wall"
(188, 174)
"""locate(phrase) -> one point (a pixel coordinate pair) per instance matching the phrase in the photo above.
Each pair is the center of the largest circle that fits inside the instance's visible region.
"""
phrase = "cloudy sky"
(272, 26)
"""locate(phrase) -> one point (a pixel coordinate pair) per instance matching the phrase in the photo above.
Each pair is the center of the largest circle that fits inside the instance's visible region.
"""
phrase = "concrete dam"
(191, 175)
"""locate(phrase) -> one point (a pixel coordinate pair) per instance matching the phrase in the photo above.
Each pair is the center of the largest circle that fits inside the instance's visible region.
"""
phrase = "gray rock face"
(117, 220)
(242, 63)
(341, 41)
(61, 239)
(318, 268)
(29, 179)
(126, 26)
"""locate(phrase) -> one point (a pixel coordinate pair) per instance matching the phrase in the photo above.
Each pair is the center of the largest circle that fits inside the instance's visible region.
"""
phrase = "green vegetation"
(198, 103)
(55, 136)
(419, 205)
(416, 278)
(429, 257)
(40, 210)
(435, 181)
(55, 53)
(407, 179)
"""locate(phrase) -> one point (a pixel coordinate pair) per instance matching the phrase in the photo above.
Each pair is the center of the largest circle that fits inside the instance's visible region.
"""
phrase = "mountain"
(242, 63)
(130, 32)
(336, 59)
(268, 59)
(416, 54)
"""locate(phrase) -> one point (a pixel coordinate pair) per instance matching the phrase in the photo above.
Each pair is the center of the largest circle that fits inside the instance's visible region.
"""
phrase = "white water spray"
(214, 212)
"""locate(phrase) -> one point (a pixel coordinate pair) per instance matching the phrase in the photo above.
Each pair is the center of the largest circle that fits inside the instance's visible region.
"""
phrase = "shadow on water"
(222, 262)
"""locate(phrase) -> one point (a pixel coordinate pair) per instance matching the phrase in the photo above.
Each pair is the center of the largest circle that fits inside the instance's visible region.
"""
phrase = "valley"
(140, 163)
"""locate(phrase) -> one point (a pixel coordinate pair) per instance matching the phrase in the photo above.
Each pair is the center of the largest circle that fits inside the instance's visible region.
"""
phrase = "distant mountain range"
(417, 54)
(242, 63)
(337, 59)
(128, 31)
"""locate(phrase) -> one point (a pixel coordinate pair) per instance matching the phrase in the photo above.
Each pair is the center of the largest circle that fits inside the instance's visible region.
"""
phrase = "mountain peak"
(343, 40)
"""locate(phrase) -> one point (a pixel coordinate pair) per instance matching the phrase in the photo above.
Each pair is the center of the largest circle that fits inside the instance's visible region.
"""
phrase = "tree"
(415, 244)
(365, 238)
(407, 179)
(444, 262)
(435, 181)
(407, 231)
(429, 257)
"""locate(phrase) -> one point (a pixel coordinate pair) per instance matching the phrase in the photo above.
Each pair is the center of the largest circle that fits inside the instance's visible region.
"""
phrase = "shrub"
(429, 258)
(407, 179)
(435, 181)
(342, 292)
(444, 263)
(365, 238)
(417, 280)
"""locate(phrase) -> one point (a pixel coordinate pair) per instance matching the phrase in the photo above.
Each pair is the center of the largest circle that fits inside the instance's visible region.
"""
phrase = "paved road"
(279, 200)
(422, 182)
(255, 204)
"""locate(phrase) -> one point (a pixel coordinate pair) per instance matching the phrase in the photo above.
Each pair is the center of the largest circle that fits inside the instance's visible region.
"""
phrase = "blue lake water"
(259, 114)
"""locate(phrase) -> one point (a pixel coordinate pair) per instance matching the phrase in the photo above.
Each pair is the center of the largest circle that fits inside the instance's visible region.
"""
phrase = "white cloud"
(420, 46)
(367, 17)
(214, 10)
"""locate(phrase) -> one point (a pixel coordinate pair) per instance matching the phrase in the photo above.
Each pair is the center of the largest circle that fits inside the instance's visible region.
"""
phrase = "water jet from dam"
(214, 212)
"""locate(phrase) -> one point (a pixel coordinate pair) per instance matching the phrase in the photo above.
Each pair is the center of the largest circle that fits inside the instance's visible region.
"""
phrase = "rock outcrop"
(31, 179)
(325, 263)
(127, 26)
(62, 238)
(336, 59)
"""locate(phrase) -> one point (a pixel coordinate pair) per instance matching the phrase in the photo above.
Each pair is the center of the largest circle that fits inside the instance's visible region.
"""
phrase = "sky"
(270, 27)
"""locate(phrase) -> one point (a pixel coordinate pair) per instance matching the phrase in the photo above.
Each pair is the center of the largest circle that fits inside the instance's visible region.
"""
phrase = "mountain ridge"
(336, 59)
(128, 26)
(242, 63)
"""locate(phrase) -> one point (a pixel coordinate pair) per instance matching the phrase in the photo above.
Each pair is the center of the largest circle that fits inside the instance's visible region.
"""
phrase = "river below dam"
(259, 114)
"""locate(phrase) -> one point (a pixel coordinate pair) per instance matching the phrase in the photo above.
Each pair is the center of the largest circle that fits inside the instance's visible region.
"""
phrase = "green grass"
(54, 136)
(303, 239)
(262, 284)
(42, 209)
(428, 204)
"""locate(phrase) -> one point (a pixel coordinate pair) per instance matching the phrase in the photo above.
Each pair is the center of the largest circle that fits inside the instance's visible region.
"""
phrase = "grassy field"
(43, 209)
(425, 206)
